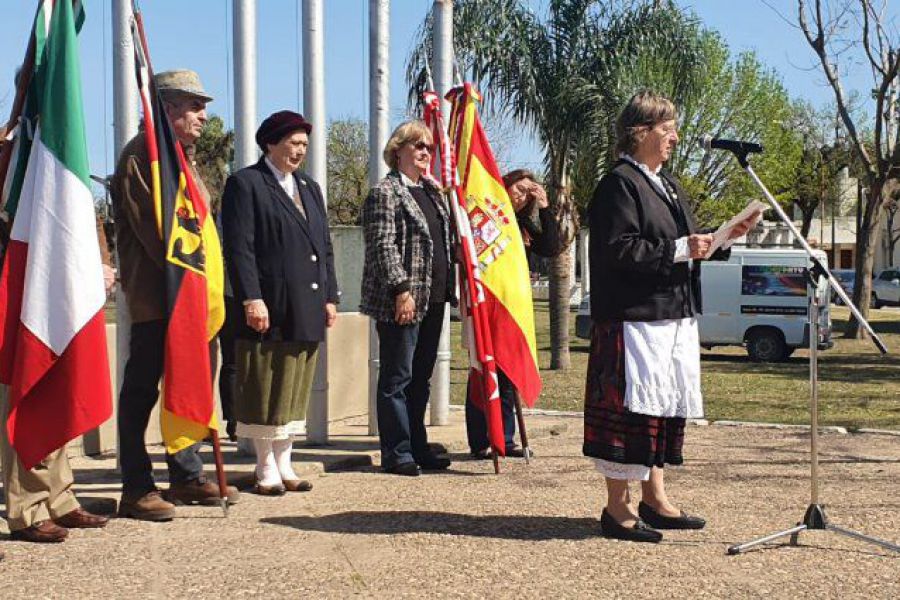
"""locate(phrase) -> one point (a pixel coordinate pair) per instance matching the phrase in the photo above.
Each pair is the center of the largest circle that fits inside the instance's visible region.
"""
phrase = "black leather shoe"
(433, 463)
(484, 454)
(658, 521)
(517, 452)
(639, 532)
(409, 469)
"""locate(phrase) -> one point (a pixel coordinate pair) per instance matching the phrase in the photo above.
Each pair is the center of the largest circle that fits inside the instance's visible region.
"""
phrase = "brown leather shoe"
(81, 519)
(297, 485)
(199, 491)
(42, 532)
(149, 507)
(269, 490)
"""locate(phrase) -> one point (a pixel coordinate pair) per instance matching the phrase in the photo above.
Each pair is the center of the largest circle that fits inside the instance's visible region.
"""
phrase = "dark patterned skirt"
(612, 432)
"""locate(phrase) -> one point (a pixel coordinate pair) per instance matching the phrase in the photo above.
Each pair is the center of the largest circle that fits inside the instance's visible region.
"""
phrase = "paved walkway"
(529, 533)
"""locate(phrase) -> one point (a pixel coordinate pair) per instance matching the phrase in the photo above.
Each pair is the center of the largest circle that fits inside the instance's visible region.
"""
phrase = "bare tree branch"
(877, 64)
(818, 44)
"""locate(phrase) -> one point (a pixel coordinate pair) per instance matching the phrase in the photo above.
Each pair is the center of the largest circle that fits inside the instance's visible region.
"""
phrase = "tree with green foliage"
(557, 74)
(816, 179)
(736, 98)
(214, 153)
(348, 170)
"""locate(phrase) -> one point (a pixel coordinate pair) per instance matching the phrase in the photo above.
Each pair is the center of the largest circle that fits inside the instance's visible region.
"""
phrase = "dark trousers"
(407, 354)
(138, 396)
(476, 423)
(234, 317)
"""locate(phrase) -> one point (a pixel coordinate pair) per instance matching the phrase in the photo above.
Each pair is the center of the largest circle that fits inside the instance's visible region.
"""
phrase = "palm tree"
(561, 77)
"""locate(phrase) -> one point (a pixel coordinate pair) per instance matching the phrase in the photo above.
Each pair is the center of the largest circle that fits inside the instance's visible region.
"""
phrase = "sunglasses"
(424, 146)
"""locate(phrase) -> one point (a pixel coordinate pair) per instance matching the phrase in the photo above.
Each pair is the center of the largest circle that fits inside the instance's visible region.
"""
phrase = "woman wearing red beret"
(279, 257)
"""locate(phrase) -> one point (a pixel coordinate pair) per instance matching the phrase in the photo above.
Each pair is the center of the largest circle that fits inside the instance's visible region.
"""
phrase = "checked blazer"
(399, 248)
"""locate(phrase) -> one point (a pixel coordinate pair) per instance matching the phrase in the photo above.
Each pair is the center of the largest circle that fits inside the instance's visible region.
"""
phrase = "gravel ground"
(530, 532)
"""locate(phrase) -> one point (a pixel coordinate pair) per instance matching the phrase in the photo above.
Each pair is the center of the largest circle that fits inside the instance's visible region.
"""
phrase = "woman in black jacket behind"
(643, 376)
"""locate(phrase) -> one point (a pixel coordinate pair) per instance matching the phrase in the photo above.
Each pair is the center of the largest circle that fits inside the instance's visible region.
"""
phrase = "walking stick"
(523, 434)
(220, 470)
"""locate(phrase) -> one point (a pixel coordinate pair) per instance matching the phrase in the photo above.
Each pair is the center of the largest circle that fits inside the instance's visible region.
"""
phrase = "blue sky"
(196, 34)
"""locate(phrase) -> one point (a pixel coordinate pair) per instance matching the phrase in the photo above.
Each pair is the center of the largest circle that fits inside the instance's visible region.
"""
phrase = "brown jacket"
(141, 252)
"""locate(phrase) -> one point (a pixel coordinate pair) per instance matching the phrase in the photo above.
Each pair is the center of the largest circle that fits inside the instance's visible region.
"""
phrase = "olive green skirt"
(274, 381)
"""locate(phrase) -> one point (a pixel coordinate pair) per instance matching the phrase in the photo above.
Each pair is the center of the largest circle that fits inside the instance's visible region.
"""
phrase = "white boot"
(282, 451)
(266, 467)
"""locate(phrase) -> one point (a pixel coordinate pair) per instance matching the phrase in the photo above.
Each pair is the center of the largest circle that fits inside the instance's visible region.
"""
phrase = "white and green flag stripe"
(53, 356)
(55, 215)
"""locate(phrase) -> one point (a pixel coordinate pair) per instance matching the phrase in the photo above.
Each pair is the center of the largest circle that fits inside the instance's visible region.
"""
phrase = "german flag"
(194, 269)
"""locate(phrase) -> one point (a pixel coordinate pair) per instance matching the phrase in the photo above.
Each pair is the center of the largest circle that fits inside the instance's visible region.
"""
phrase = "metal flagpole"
(815, 513)
(244, 35)
(125, 127)
(443, 74)
(244, 70)
(314, 111)
(379, 113)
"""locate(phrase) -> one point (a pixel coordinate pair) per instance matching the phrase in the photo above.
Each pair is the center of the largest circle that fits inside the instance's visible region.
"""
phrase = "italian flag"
(52, 328)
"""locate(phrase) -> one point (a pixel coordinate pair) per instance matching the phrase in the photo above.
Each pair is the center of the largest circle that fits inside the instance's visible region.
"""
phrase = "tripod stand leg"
(862, 537)
(738, 548)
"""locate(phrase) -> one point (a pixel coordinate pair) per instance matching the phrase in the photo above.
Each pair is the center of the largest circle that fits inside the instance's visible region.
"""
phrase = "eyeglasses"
(424, 146)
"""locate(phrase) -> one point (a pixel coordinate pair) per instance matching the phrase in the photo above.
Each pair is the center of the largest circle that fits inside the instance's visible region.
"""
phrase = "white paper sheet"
(721, 235)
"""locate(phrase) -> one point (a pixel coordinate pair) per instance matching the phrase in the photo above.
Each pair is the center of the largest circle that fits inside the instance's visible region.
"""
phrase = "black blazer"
(632, 249)
(274, 254)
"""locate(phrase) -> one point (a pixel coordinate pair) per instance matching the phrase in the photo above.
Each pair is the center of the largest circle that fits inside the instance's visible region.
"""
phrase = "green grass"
(857, 386)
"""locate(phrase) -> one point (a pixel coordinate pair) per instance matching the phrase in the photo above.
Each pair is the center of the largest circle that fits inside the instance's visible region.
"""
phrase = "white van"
(757, 299)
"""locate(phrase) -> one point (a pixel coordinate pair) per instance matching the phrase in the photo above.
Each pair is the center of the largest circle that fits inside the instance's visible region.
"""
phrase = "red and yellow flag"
(483, 382)
(194, 270)
(500, 252)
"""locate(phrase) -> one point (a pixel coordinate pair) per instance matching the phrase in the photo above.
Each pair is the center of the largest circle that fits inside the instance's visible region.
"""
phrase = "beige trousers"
(44, 492)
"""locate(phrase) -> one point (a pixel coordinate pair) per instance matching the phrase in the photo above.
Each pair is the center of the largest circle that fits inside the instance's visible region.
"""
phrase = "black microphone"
(711, 143)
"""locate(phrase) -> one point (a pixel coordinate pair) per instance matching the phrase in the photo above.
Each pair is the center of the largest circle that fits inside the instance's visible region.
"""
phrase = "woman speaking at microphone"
(643, 377)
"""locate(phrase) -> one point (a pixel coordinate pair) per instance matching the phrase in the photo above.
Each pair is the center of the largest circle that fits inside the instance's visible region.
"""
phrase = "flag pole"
(22, 83)
(220, 469)
(523, 434)
(468, 278)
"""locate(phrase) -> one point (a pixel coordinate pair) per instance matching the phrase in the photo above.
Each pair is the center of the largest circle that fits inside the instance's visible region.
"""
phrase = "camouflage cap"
(181, 82)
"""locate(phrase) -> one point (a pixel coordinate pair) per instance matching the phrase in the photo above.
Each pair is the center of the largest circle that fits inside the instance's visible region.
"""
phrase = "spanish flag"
(500, 252)
(194, 270)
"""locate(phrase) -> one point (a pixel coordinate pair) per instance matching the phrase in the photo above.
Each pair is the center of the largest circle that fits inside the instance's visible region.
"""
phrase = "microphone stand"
(815, 518)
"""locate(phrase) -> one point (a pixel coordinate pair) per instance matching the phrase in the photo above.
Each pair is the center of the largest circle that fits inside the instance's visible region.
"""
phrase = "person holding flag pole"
(52, 323)
(172, 275)
(542, 236)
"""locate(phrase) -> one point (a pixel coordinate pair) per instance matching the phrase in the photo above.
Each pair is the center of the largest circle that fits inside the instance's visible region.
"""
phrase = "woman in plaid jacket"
(407, 281)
